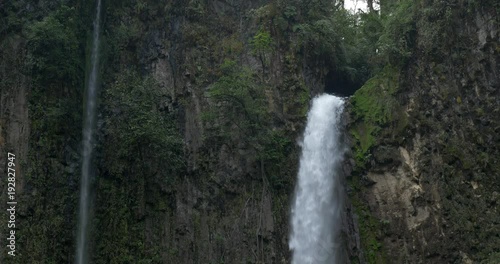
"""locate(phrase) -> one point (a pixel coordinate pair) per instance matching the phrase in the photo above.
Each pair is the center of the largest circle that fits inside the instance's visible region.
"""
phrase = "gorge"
(196, 145)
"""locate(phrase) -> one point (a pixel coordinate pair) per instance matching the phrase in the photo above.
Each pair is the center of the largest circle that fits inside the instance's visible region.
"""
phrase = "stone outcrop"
(431, 188)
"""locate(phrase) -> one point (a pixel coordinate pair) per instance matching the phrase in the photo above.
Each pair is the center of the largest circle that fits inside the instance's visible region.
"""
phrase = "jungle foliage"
(142, 145)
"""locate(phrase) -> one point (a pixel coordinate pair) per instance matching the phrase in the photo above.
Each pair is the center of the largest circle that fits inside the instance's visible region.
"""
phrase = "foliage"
(261, 45)
(143, 146)
(232, 46)
(373, 107)
(49, 60)
(124, 239)
(264, 14)
(262, 42)
(276, 149)
(290, 12)
(358, 58)
(320, 39)
(240, 112)
(136, 125)
(10, 17)
(369, 227)
(140, 148)
(143, 155)
(398, 38)
(372, 102)
(326, 34)
(437, 23)
(241, 99)
(125, 33)
(53, 47)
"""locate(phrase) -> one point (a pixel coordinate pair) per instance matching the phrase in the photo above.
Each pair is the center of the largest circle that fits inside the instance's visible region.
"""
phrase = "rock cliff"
(201, 105)
(426, 181)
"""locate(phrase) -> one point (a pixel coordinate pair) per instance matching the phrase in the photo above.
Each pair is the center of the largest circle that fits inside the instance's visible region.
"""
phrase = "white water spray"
(316, 211)
(88, 144)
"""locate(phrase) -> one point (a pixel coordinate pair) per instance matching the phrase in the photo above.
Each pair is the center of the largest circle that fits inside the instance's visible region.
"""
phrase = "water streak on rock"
(88, 145)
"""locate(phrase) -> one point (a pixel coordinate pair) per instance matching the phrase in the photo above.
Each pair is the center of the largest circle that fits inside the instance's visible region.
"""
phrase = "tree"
(53, 47)
(261, 45)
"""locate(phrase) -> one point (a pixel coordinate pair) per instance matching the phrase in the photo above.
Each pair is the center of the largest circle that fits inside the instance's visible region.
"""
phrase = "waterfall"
(88, 131)
(316, 211)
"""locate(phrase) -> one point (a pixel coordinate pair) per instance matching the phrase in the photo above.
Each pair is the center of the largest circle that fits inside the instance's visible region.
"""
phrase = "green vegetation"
(42, 51)
(144, 149)
(398, 37)
(135, 125)
(143, 155)
(374, 107)
(261, 45)
(53, 47)
(168, 63)
(276, 155)
(383, 46)
(240, 110)
(370, 228)
(240, 96)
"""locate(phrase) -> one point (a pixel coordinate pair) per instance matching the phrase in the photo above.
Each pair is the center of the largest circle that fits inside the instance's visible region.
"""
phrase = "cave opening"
(340, 84)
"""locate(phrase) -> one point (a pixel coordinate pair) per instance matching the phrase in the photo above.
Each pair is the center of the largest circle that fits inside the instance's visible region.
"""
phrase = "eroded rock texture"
(430, 183)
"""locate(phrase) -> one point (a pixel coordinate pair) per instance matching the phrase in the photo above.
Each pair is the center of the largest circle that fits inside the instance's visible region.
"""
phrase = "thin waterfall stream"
(88, 144)
(317, 209)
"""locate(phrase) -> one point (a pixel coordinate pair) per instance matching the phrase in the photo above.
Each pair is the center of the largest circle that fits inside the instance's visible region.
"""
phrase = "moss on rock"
(372, 108)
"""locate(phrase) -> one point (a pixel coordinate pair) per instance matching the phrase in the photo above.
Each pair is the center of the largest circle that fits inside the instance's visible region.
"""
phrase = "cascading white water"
(316, 211)
(88, 131)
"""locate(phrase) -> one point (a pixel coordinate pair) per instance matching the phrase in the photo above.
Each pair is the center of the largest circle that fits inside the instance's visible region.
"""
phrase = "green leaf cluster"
(262, 42)
(373, 107)
(240, 98)
(398, 38)
(239, 111)
(53, 47)
(137, 127)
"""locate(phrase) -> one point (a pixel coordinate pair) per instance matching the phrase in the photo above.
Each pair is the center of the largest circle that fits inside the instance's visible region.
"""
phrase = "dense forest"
(201, 105)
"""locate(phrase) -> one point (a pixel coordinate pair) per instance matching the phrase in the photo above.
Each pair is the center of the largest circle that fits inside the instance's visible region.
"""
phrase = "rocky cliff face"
(201, 105)
(229, 203)
(427, 189)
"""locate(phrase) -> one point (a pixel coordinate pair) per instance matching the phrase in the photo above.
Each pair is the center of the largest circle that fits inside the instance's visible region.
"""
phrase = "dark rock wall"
(429, 191)
(422, 177)
(230, 203)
